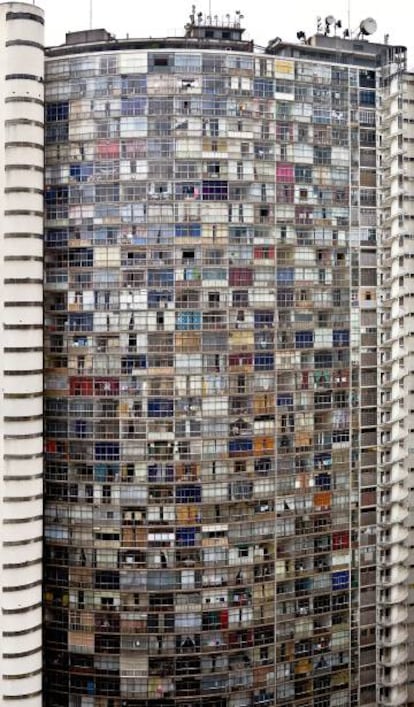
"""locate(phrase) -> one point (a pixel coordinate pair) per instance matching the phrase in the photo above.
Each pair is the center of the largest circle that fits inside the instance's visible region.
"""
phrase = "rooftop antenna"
(90, 13)
(367, 27)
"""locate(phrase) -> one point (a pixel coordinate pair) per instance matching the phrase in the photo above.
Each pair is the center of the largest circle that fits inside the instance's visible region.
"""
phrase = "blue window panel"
(215, 190)
(81, 171)
(134, 106)
(264, 88)
(340, 580)
(185, 537)
(141, 361)
(340, 436)
(160, 407)
(169, 472)
(80, 322)
(341, 337)
(285, 275)
(153, 471)
(81, 257)
(264, 362)
(303, 339)
(158, 472)
(367, 98)
(57, 111)
(80, 429)
(240, 445)
(188, 321)
(161, 277)
(263, 319)
(56, 238)
(56, 196)
(106, 450)
(323, 481)
(284, 399)
(133, 361)
(188, 494)
(157, 298)
(188, 230)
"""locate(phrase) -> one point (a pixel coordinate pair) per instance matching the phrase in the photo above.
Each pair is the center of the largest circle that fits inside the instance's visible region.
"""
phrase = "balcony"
(394, 595)
(395, 697)
(395, 615)
(393, 535)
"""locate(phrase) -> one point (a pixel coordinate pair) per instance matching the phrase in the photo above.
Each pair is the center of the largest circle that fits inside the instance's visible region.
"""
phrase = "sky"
(263, 19)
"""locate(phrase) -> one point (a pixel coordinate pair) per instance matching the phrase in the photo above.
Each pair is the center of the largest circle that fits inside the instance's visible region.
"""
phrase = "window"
(367, 98)
(240, 276)
(188, 321)
(134, 106)
(285, 275)
(57, 111)
(322, 155)
(187, 63)
(303, 174)
(263, 88)
(188, 494)
(133, 85)
(264, 362)
(108, 64)
(303, 339)
(160, 62)
(160, 407)
(240, 298)
(340, 436)
(57, 132)
(341, 337)
(184, 230)
(215, 190)
(263, 319)
(322, 116)
(107, 192)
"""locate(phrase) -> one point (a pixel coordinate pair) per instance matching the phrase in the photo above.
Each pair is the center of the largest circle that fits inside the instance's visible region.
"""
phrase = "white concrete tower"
(395, 400)
(21, 380)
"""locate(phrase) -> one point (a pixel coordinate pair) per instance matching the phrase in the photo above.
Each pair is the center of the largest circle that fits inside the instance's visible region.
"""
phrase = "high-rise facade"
(227, 376)
(211, 387)
(21, 352)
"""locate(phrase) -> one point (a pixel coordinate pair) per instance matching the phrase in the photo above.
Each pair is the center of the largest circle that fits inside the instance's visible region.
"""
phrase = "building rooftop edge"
(100, 40)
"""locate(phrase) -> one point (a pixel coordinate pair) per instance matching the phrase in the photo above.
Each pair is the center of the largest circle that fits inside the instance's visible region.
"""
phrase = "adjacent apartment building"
(21, 352)
(227, 244)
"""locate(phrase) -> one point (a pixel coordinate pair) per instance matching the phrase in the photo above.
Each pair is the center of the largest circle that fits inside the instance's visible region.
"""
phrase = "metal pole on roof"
(90, 13)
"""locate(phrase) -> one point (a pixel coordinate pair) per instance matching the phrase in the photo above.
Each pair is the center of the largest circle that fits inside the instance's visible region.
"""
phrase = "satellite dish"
(368, 26)
(330, 20)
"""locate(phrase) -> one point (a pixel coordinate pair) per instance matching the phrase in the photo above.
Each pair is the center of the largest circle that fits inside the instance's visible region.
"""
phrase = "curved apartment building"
(21, 352)
(211, 382)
